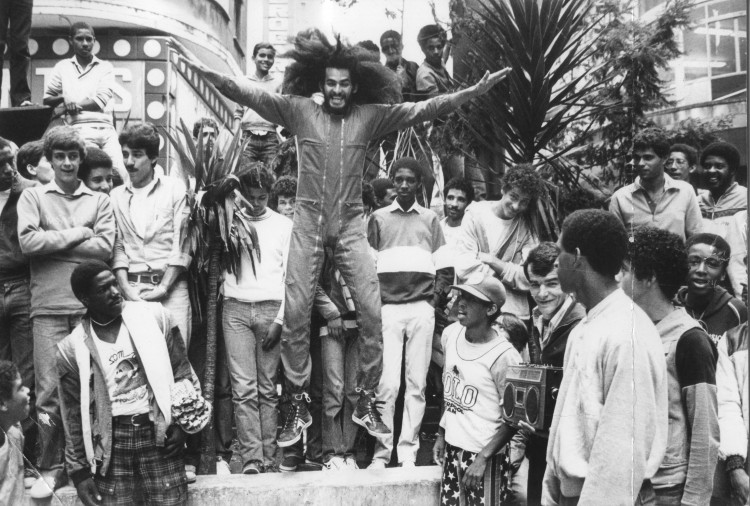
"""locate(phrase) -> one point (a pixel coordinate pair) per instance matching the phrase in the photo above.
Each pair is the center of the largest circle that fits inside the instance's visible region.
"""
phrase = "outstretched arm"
(272, 107)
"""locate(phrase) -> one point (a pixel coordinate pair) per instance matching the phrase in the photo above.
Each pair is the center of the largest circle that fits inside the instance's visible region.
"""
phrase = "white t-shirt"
(126, 381)
(473, 380)
(142, 208)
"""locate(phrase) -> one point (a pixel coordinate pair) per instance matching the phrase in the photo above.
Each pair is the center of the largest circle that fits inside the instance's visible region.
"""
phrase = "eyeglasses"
(711, 262)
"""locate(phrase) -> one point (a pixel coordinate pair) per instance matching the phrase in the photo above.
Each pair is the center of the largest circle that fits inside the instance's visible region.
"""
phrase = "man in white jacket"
(609, 429)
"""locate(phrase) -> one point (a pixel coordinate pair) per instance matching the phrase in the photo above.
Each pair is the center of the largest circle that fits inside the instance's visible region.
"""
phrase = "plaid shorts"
(138, 471)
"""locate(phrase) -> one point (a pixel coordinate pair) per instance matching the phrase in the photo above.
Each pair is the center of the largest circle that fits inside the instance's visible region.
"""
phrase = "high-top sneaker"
(367, 415)
(297, 419)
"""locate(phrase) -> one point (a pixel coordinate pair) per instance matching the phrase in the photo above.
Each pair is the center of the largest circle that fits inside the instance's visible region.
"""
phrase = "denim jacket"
(100, 408)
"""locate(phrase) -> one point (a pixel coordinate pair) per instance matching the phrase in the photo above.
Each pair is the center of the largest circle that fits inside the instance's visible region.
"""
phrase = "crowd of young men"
(652, 408)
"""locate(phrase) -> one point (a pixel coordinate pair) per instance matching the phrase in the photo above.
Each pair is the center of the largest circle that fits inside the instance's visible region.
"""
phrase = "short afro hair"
(459, 183)
(84, 274)
(29, 154)
(8, 375)
(691, 154)
(285, 186)
(263, 45)
(428, 32)
(541, 260)
(658, 253)
(652, 138)
(141, 136)
(718, 242)
(64, 138)
(95, 159)
(525, 178)
(368, 196)
(80, 25)
(204, 122)
(410, 163)
(726, 151)
(390, 34)
(599, 236)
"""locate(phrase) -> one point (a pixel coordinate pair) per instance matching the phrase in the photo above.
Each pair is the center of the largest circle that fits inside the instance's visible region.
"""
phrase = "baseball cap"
(489, 290)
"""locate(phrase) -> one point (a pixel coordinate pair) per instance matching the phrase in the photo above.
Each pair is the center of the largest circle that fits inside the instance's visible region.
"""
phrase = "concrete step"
(388, 487)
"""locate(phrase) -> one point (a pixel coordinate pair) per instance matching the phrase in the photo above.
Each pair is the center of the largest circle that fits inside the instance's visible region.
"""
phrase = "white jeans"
(104, 136)
(415, 323)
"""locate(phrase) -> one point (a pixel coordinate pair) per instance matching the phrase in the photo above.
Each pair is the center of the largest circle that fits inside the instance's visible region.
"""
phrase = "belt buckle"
(155, 279)
(133, 420)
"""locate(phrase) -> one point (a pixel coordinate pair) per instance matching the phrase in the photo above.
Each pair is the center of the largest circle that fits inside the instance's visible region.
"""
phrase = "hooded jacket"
(722, 313)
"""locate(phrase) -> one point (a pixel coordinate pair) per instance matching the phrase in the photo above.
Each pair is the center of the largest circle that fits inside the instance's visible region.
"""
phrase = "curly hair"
(599, 236)
(64, 138)
(459, 183)
(691, 154)
(285, 186)
(526, 179)
(141, 136)
(654, 252)
(84, 274)
(726, 151)
(428, 32)
(718, 242)
(8, 375)
(95, 159)
(204, 122)
(312, 55)
(410, 163)
(653, 138)
(541, 260)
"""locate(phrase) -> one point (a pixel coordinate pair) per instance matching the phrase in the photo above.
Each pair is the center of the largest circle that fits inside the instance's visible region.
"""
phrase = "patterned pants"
(493, 491)
(139, 473)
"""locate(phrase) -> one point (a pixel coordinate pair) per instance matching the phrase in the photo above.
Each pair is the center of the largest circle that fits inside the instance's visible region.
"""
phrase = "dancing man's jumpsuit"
(331, 153)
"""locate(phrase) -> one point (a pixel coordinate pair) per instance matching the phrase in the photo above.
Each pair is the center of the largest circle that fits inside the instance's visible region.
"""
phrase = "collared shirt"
(546, 328)
(432, 81)
(96, 82)
(160, 245)
(676, 210)
(251, 120)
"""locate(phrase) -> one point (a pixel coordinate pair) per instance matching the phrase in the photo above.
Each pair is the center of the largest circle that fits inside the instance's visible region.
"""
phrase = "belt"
(153, 279)
(134, 420)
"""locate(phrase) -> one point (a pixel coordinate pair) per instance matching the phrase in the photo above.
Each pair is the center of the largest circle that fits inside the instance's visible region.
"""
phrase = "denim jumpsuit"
(329, 213)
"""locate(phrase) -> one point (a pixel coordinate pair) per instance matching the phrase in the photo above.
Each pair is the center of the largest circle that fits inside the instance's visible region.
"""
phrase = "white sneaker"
(350, 462)
(190, 474)
(222, 467)
(376, 464)
(408, 463)
(43, 487)
(335, 463)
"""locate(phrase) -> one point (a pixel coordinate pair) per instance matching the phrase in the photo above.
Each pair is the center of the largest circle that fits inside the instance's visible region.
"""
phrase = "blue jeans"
(261, 148)
(340, 357)
(15, 27)
(345, 234)
(49, 330)
(17, 345)
(252, 372)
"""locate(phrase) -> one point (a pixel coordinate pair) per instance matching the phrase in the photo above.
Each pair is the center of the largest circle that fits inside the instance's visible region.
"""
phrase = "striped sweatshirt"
(404, 243)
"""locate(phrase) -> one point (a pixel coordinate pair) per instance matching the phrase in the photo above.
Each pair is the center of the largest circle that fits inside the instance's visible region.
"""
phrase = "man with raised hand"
(359, 105)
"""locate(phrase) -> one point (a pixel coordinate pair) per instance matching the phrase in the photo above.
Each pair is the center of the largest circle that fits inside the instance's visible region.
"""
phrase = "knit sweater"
(609, 430)
(58, 231)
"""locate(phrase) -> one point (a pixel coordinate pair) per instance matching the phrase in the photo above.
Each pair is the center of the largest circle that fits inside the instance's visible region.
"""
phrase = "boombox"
(530, 394)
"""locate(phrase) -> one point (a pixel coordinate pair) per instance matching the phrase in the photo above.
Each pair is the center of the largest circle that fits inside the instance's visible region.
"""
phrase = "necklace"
(104, 324)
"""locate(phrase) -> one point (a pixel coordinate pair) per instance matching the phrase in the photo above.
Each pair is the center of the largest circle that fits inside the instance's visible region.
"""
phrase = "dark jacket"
(554, 352)
(13, 264)
(722, 313)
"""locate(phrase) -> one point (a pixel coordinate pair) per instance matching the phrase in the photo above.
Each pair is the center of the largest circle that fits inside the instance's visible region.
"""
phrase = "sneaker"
(271, 468)
(376, 464)
(29, 477)
(222, 467)
(350, 463)
(46, 484)
(289, 463)
(408, 463)
(297, 420)
(190, 473)
(251, 467)
(367, 415)
(335, 463)
(312, 465)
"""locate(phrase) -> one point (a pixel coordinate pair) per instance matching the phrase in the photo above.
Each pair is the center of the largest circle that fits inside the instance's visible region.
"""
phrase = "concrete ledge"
(392, 487)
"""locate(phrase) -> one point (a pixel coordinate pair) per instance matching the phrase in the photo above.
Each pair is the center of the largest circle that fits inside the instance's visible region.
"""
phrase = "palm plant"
(216, 235)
